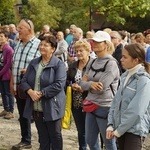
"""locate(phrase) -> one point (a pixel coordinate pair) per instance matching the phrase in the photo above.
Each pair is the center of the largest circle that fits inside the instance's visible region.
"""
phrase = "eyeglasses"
(28, 22)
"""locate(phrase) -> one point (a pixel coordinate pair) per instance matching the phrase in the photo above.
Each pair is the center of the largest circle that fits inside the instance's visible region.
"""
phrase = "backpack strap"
(98, 70)
(103, 69)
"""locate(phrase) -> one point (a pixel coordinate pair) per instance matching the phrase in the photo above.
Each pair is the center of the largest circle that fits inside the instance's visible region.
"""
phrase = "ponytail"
(147, 66)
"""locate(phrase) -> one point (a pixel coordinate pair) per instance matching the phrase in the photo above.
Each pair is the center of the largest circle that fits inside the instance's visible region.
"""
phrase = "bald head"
(29, 24)
(60, 35)
(77, 34)
(25, 30)
(12, 28)
(46, 28)
(72, 27)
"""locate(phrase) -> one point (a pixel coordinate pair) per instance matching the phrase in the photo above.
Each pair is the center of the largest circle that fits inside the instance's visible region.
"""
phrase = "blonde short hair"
(83, 43)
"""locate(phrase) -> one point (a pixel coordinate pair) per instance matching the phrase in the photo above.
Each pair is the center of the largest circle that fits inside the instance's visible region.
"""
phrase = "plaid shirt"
(23, 54)
(71, 51)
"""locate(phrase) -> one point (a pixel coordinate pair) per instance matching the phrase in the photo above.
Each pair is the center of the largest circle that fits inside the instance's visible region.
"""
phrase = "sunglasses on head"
(28, 22)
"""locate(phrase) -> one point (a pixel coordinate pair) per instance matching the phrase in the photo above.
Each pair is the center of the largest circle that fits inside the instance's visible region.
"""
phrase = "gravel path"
(10, 135)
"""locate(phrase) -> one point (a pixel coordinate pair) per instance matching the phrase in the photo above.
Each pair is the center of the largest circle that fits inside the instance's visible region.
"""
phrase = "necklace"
(44, 65)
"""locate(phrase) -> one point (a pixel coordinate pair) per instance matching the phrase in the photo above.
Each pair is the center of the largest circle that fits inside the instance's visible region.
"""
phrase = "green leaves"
(7, 13)
(41, 13)
(117, 10)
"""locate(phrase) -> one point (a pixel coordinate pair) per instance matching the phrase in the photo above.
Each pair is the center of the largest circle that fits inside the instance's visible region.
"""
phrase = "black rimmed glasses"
(28, 22)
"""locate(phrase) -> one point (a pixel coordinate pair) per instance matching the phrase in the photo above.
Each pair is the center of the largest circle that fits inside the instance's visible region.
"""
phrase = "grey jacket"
(109, 76)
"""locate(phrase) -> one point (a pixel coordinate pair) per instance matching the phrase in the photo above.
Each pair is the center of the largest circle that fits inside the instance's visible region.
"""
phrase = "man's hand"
(13, 92)
(23, 71)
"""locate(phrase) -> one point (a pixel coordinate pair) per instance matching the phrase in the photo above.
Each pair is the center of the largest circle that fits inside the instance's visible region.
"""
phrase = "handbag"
(66, 120)
(21, 94)
(77, 99)
(88, 106)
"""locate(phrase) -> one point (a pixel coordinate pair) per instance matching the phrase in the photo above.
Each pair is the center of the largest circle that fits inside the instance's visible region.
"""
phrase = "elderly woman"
(44, 83)
(101, 81)
(74, 75)
(128, 118)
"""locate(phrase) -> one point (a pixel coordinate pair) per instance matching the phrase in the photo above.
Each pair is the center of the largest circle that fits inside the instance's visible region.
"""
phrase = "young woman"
(101, 82)
(6, 54)
(128, 118)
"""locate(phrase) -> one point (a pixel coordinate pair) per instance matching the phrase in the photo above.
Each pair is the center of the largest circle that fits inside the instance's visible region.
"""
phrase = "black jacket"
(71, 75)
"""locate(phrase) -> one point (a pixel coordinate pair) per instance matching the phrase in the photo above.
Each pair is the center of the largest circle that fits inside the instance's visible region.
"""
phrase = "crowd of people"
(108, 70)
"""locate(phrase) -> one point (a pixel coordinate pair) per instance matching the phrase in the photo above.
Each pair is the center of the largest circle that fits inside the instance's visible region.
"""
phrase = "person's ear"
(136, 61)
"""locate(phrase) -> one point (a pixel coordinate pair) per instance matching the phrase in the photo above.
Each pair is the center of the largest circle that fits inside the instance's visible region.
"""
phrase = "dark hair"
(136, 50)
(6, 33)
(146, 32)
(123, 34)
(50, 39)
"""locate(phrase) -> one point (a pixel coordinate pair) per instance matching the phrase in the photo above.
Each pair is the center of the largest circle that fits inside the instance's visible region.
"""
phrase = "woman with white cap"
(101, 80)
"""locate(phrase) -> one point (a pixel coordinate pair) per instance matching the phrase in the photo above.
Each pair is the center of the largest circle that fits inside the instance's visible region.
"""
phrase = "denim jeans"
(94, 126)
(79, 118)
(7, 97)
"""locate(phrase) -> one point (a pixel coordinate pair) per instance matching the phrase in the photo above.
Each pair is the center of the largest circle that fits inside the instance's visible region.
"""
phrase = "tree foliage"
(41, 13)
(61, 14)
(119, 13)
(118, 10)
(72, 12)
(7, 13)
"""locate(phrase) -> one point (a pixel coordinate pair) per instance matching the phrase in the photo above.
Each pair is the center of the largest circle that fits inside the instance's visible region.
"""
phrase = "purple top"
(7, 54)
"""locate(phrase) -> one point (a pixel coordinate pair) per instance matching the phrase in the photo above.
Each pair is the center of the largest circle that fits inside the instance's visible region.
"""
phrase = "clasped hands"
(110, 134)
(35, 95)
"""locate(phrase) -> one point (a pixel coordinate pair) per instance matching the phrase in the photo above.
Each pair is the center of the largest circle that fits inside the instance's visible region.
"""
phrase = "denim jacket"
(130, 110)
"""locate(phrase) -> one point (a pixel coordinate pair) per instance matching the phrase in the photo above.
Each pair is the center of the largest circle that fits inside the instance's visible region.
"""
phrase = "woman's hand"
(97, 86)
(109, 134)
(85, 77)
(35, 95)
(76, 87)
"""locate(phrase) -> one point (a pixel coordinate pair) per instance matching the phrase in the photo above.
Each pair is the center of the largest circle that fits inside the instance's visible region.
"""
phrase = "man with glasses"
(116, 40)
(25, 50)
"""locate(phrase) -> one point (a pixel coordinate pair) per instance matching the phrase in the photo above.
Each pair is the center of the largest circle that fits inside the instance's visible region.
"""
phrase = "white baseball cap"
(101, 36)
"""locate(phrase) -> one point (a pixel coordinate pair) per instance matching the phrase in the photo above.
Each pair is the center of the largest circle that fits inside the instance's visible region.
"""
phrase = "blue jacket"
(52, 82)
(130, 110)
(148, 54)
